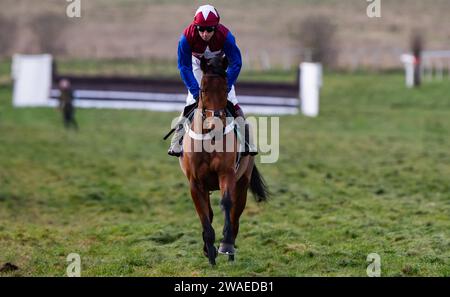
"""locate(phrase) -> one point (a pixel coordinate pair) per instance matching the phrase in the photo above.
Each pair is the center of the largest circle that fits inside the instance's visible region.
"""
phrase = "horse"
(209, 171)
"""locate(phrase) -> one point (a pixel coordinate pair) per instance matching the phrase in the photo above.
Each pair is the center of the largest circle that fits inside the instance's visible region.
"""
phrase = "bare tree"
(49, 30)
(7, 36)
(316, 36)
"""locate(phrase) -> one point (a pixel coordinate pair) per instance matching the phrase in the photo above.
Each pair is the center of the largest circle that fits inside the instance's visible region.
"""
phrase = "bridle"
(220, 113)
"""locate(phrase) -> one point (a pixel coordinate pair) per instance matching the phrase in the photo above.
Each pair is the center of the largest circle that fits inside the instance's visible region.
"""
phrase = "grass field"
(371, 174)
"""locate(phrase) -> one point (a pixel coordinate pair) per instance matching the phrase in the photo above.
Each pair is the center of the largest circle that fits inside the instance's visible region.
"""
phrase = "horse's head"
(214, 83)
(213, 97)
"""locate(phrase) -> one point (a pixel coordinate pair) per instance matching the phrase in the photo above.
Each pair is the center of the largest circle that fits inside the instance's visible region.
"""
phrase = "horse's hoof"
(231, 258)
(211, 254)
(212, 258)
(226, 248)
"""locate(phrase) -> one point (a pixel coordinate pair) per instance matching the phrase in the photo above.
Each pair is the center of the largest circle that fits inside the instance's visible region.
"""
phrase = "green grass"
(371, 174)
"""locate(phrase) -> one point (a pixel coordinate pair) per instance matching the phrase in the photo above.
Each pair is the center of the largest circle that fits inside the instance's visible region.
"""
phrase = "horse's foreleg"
(228, 189)
(211, 216)
(204, 211)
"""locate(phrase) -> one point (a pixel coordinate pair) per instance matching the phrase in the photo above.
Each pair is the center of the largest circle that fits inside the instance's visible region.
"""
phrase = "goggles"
(207, 29)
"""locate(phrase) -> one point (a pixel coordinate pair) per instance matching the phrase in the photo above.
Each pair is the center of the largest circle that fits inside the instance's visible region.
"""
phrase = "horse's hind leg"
(228, 189)
(201, 201)
(238, 206)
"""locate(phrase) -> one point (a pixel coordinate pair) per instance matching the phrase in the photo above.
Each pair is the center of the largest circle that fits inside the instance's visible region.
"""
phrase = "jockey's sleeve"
(234, 59)
(185, 66)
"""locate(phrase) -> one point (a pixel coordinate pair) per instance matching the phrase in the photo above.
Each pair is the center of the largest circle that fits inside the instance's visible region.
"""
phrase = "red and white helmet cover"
(206, 16)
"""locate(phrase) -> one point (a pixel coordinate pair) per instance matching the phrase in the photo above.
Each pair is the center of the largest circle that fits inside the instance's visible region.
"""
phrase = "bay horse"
(209, 171)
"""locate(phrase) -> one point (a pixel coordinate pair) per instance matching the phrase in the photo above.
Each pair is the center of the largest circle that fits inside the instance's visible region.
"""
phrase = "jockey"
(205, 37)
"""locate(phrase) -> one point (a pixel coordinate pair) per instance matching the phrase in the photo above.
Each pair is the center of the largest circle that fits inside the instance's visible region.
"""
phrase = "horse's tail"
(258, 186)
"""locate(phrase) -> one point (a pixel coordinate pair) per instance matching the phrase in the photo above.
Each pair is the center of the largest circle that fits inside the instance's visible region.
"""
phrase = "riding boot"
(177, 139)
(249, 147)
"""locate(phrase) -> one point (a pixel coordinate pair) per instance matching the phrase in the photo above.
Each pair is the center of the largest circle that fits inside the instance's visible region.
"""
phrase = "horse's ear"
(203, 63)
(225, 63)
